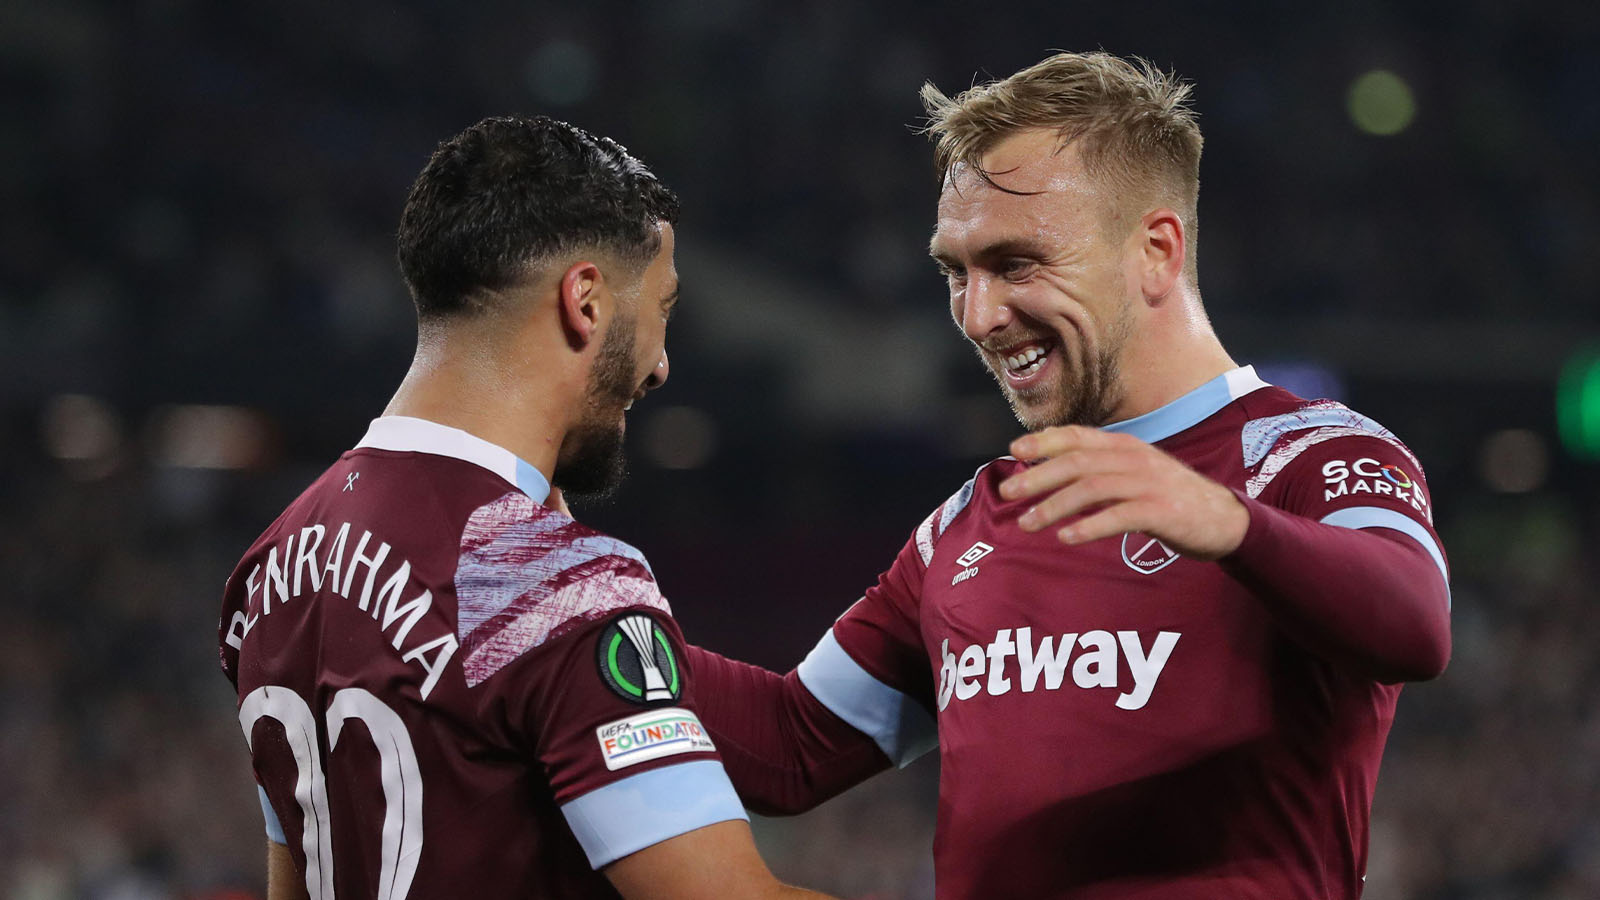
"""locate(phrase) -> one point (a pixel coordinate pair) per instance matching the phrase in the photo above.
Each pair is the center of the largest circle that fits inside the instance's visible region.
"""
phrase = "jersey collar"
(413, 435)
(1192, 408)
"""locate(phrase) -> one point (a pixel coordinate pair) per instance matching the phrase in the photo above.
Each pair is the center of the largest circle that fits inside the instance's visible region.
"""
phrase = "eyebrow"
(1014, 246)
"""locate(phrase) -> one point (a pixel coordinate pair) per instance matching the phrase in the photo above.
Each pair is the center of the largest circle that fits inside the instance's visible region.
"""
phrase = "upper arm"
(1343, 538)
(715, 861)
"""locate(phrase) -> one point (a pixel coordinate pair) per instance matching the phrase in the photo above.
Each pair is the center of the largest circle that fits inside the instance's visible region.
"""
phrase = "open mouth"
(1024, 362)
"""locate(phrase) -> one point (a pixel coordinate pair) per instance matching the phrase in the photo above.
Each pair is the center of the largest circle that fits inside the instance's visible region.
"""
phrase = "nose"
(982, 310)
(658, 375)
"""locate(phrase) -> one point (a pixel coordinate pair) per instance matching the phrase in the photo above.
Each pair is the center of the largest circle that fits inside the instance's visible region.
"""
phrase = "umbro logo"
(974, 553)
(967, 562)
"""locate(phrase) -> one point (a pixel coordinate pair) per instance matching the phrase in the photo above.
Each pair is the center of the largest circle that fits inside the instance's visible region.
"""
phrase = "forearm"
(1372, 600)
(784, 751)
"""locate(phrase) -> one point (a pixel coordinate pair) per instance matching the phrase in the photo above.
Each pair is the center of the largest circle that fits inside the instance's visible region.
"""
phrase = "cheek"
(652, 344)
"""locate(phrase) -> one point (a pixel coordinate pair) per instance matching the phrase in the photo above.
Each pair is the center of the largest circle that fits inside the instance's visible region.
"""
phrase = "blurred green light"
(1380, 102)
(1578, 404)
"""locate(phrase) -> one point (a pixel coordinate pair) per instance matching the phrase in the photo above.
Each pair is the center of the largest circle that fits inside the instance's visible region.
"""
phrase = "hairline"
(1121, 203)
(608, 256)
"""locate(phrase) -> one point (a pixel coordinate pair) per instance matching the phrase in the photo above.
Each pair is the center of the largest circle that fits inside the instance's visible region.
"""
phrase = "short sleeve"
(870, 668)
(882, 631)
(576, 662)
(606, 712)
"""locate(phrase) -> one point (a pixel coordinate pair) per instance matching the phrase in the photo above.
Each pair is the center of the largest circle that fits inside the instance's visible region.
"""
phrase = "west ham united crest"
(636, 660)
(1145, 554)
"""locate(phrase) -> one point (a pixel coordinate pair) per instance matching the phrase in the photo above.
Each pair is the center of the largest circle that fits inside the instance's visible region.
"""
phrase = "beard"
(1087, 395)
(591, 464)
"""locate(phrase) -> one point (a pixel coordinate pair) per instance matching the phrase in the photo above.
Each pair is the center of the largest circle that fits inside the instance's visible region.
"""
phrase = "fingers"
(1063, 438)
(1085, 493)
(1063, 470)
(1119, 518)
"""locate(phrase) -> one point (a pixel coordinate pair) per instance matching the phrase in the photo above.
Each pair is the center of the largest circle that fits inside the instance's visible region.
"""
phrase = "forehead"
(1047, 196)
(663, 269)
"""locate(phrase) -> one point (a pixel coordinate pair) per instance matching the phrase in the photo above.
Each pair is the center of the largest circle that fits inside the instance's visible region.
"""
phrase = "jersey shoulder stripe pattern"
(525, 572)
(938, 521)
(1267, 452)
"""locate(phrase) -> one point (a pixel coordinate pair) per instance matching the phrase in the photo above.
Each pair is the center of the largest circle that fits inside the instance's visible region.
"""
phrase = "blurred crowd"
(198, 206)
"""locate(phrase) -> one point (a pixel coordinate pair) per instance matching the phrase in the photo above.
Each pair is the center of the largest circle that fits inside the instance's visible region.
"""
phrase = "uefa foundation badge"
(636, 661)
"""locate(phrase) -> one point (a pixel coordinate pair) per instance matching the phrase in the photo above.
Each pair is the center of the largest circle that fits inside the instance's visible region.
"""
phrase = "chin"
(593, 465)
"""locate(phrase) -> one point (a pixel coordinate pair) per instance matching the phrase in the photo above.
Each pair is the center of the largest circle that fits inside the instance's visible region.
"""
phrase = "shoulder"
(985, 479)
(1280, 429)
(527, 575)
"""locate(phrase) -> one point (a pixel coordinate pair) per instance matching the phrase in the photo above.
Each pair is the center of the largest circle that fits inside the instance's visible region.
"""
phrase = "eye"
(952, 271)
(1015, 269)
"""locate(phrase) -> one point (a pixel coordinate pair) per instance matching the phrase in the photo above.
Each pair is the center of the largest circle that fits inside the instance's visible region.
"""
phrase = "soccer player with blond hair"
(1159, 647)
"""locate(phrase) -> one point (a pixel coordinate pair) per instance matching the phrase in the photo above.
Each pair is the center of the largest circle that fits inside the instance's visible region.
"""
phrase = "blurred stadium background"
(199, 309)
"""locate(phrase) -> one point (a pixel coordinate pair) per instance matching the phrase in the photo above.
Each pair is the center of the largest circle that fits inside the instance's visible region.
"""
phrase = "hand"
(1124, 485)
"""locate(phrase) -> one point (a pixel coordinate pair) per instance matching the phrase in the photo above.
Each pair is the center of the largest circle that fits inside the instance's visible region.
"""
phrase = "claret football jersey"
(450, 690)
(1117, 720)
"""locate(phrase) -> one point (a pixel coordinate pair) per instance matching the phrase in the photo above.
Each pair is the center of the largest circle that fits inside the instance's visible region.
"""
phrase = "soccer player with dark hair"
(448, 686)
(1159, 649)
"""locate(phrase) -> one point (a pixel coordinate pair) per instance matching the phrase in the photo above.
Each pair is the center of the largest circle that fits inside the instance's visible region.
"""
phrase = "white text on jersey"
(1368, 476)
(961, 675)
(304, 567)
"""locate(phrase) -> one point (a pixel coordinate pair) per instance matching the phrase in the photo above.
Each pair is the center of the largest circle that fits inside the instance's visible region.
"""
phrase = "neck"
(1169, 355)
(463, 382)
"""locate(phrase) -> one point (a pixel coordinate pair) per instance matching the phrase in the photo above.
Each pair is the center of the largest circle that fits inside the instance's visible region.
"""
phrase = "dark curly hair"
(509, 192)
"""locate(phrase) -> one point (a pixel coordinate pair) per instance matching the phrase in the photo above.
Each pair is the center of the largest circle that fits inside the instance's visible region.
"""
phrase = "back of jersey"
(430, 665)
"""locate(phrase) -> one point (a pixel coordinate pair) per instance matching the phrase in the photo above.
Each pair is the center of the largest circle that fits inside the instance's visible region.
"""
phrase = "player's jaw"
(1054, 379)
(591, 463)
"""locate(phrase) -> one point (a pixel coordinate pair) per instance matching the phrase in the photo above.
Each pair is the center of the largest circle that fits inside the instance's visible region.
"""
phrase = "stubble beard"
(1087, 395)
(591, 464)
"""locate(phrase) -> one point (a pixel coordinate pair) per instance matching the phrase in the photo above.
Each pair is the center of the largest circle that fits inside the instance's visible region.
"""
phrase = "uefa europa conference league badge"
(636, 661)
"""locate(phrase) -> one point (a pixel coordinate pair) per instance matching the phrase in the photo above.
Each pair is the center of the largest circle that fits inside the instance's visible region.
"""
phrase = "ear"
(1163, 246)
(580, 305)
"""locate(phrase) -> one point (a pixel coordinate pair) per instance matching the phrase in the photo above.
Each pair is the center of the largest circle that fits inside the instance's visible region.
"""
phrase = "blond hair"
(1134, 129)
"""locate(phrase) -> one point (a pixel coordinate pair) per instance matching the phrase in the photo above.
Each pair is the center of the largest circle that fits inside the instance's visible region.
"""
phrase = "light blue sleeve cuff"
(274, 830)
(899, 725)
(629, 815)
(1379, 517)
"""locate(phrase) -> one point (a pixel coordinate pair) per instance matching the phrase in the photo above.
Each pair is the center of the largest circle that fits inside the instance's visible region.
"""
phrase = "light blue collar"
(406, 433)
(1192, 408)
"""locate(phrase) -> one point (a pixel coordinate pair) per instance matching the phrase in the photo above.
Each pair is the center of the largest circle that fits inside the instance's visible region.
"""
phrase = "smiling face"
(631, 361)
(1038, 280)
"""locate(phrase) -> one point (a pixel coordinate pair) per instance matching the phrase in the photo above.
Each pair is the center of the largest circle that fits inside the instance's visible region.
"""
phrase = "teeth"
(1025, 360)
(627, 406)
